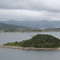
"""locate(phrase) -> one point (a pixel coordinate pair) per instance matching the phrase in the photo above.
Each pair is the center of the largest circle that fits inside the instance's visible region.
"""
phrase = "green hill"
(12, 28)
(38, 41)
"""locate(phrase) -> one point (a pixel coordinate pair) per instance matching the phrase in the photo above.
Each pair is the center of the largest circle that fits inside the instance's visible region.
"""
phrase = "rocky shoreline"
(30, 48)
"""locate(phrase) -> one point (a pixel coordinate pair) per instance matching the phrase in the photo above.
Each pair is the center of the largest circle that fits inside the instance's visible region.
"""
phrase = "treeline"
(38, 41)
(51, 29)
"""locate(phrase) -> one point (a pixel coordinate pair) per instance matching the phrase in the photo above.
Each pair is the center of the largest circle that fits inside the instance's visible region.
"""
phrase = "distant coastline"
(18, 28)
(27, 31)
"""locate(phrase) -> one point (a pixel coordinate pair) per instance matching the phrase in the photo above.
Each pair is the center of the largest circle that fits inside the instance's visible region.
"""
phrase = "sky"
(30, 10)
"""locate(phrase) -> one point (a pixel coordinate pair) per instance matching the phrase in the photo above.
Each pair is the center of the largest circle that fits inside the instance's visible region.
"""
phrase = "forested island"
(38, 41)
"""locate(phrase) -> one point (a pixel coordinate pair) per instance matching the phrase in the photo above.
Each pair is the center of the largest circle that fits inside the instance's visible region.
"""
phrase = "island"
(37, 42)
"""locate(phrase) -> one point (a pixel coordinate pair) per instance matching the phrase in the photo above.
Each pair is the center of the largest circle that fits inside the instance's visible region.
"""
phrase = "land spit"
(30, 48)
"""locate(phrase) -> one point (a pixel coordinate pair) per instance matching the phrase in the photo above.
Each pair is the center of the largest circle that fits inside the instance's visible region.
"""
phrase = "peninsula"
(37, 42)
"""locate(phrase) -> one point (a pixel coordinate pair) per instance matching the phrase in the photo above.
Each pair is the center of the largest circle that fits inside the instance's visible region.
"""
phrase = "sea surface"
(16, 54)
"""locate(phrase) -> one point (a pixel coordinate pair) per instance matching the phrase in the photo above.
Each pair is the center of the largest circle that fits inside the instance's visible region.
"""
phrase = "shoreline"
(30, 48)
(28, 31)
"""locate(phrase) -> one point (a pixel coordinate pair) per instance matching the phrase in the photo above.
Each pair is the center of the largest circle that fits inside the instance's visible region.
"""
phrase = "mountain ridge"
(35, 24)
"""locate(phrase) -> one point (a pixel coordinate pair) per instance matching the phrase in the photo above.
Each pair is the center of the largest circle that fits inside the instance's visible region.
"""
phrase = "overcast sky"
(30, 10)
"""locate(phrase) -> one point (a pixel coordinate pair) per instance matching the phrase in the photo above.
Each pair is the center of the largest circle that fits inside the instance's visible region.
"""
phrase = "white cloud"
(19, 14)
(28, 14)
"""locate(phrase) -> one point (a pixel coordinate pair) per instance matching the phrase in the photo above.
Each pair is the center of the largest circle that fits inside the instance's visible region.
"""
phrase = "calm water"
(16, 54)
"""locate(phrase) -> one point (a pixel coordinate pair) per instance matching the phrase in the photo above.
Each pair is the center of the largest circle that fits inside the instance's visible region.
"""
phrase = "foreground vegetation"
(38, 41)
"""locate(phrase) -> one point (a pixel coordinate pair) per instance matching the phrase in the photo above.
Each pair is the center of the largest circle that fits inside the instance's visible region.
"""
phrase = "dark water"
(16, 54)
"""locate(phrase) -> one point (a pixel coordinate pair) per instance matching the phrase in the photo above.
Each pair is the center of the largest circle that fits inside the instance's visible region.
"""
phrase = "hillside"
(38, 41)
(11, 28)
(14, 28)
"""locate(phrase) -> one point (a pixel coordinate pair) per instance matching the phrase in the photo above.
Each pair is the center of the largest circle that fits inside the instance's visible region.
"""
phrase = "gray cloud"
(49, 5)
(30, 9)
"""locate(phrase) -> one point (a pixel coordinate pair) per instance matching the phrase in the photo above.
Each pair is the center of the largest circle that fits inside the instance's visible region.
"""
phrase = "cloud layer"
(30, 9)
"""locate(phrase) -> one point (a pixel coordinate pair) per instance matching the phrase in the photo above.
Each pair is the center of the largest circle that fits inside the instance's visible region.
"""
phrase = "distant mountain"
(35, 24)
(11, 28)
